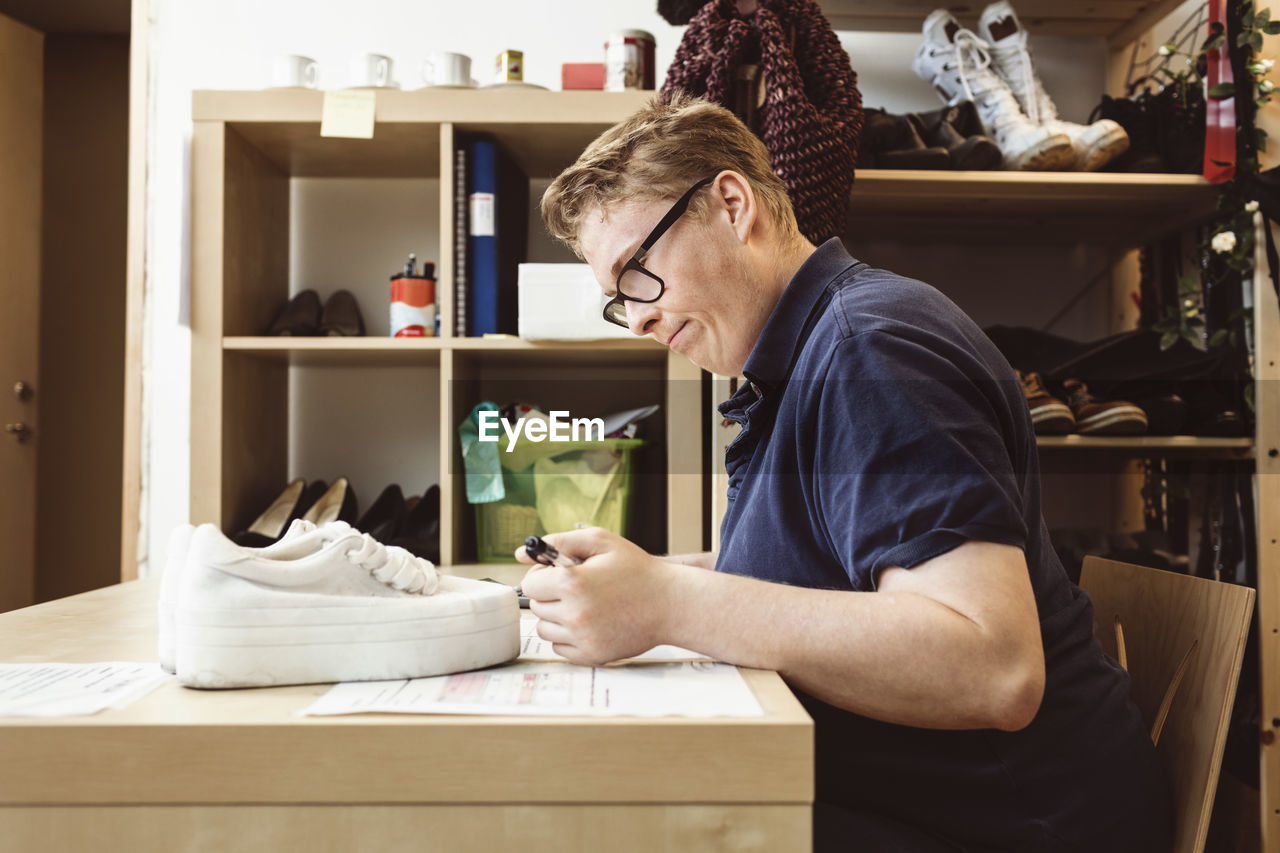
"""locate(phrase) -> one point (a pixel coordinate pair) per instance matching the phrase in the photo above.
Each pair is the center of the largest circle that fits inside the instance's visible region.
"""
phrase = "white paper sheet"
(534, 648)
(686, 689)
(74, 689)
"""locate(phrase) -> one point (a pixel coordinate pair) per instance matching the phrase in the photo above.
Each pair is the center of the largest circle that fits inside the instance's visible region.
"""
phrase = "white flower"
(1167, 49)
(1251, 207)
(1265, 86)
(1265, 65)
(1223, 242)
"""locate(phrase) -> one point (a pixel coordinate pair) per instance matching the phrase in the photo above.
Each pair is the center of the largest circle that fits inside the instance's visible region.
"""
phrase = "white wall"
(229, 44)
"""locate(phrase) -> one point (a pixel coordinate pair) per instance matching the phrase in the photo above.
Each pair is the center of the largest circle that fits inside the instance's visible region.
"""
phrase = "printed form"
(666, 681)
(74, 689)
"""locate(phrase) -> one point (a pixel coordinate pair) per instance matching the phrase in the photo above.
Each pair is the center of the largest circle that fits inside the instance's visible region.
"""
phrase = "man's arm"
(702, 559)
(953, 643)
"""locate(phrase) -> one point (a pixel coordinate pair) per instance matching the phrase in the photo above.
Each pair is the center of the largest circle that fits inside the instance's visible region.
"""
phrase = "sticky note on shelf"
(348, 114)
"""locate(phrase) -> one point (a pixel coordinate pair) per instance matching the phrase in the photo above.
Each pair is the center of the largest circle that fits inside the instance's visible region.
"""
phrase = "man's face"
(705, 312)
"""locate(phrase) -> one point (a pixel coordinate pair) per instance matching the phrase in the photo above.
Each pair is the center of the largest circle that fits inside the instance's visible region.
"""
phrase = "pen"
(546, 554)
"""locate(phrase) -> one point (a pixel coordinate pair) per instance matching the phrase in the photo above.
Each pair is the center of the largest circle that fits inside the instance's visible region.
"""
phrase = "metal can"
(628, 61)
(508, 66)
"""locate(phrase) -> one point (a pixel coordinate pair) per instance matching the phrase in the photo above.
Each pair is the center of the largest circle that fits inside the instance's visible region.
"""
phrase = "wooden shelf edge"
(424, 106)
(338, 346)
(1149, 443)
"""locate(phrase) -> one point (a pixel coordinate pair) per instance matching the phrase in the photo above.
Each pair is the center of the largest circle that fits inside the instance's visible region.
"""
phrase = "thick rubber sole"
(1122, 420)
(1053, 154)
(1102, 151)
(372, 640)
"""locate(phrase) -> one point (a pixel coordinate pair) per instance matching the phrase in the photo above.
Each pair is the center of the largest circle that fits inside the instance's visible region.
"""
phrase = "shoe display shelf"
(248, 149)
(1117, 210)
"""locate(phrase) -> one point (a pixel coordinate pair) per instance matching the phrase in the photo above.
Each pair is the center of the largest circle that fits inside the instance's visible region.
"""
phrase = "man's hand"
(612, 606)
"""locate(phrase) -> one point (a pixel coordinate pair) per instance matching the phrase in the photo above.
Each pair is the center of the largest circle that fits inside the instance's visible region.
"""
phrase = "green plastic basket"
(556, 486)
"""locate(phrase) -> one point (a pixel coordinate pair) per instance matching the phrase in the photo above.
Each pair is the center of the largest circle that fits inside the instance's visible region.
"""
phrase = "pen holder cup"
(552, 487)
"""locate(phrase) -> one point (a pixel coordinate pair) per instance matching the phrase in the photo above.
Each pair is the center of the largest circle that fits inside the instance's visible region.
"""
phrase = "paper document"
(534, 648)
(73, 689)
(689, 689)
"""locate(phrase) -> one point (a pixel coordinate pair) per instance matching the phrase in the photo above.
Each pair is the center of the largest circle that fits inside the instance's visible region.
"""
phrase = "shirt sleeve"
(913, 454)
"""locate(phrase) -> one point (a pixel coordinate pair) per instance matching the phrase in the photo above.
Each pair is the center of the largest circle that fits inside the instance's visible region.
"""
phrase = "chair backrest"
(1164, 615)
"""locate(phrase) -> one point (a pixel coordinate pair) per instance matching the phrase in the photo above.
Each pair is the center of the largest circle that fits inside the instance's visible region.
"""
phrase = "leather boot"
(891, 142)
(959, 130)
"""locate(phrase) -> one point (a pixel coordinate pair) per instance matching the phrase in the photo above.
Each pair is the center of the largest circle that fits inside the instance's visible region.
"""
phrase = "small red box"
(582, 75)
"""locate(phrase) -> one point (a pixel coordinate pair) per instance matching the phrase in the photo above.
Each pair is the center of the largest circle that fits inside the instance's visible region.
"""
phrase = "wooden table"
(184, 769)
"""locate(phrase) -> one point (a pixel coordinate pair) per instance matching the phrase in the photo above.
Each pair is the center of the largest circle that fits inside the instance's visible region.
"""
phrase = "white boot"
(955, 61)
(1095, 144)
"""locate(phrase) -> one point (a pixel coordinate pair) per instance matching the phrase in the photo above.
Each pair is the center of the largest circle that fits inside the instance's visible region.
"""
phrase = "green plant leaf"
(1167, 340)
(1272, 28)
(1255, 40)
(1248, 396)
(1261, 17)
(1216, 339)
(1213, 43)
(1188, 284)
(1222, 90)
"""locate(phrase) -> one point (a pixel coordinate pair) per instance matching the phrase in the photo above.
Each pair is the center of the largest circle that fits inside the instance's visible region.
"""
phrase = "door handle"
(20, 431)
(23, 390)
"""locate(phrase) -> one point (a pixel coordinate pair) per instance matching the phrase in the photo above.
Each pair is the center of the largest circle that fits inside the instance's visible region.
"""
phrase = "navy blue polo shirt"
(881, 428)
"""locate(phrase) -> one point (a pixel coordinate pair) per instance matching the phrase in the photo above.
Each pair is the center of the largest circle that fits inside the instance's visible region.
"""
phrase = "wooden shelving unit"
(247, 146)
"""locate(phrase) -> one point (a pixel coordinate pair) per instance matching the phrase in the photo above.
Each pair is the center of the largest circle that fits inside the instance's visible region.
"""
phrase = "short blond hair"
(658, 153)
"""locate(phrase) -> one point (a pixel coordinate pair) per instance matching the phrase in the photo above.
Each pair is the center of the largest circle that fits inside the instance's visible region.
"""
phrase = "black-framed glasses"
(636, 283)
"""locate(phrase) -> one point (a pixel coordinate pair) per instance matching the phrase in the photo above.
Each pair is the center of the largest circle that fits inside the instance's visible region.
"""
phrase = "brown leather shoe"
(1103, 417)
(1049, 415)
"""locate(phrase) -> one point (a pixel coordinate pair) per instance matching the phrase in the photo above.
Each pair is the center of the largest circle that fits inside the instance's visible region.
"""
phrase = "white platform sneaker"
(955, 61)
(331, 604)
(175, 565)
(1095, 144)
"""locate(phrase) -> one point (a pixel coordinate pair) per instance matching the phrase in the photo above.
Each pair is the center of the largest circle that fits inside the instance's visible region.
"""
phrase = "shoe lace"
(392, 565)
(996, 104)
(1015, 61)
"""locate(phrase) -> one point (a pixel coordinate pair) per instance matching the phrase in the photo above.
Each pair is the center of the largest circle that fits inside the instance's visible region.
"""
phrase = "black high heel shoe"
(338, 503)
(420, 533)
(274, 520)
(385, 517)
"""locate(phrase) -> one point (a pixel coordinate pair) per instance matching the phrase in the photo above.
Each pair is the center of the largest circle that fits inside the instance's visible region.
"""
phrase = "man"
(883, 547)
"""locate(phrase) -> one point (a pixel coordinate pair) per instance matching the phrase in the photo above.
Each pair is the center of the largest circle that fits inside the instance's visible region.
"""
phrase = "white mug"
(291, 69)
(371, 69)
(446, 69)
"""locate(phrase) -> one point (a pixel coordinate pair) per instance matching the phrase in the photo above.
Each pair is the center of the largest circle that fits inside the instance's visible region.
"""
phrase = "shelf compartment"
(545, 130)
(1046, 207)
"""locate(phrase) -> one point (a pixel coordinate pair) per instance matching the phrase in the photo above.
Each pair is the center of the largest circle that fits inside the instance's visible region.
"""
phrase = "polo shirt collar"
(785, 331)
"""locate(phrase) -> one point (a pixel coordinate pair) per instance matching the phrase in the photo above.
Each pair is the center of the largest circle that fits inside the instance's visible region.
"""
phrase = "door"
(21, 118)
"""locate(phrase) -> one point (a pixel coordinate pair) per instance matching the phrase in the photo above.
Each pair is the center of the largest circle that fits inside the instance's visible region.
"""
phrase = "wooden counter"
(222, 770)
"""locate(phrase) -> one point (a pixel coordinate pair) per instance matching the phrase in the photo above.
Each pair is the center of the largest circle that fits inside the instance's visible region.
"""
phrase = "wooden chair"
(1183, 638)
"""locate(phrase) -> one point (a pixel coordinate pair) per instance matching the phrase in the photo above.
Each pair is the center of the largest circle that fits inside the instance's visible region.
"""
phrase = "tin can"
(413, 303)
(508, 66)
(628, 61)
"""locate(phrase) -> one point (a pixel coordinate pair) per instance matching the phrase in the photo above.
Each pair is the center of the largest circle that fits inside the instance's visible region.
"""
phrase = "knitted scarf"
(808, 110)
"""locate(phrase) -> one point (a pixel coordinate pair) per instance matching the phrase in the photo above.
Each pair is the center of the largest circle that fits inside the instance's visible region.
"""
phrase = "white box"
(562, 302)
